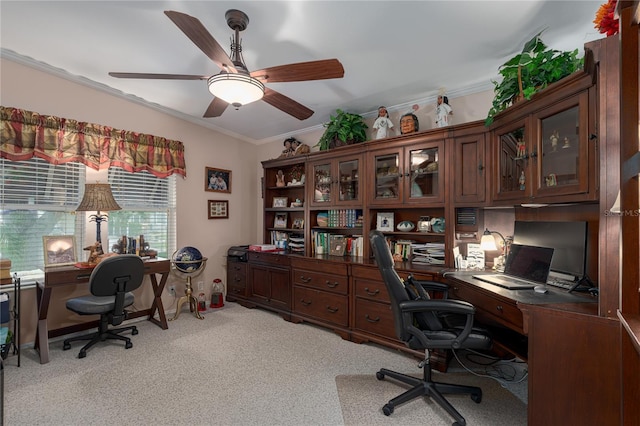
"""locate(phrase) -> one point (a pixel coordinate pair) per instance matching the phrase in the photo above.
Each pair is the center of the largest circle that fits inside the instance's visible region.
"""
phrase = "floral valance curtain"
(25, 134)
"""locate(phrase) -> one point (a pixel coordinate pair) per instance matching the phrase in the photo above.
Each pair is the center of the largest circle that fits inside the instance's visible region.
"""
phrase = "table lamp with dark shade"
(98, 197)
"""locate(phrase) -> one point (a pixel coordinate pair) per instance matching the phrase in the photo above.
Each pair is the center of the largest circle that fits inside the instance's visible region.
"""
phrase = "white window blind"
(37, 199)
(148, 208)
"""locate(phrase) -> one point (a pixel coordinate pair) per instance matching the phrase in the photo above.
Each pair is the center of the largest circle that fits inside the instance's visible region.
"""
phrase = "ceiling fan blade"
(216, 108)
(286, 104)
(158, 76)
(199, 35)
(302, 71)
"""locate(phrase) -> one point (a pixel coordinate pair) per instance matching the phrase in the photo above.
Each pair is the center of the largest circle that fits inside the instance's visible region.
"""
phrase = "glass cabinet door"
(321, 174)
(387, 177)
(563, 146)
(348, 180)
(512, 180)
(424, 172)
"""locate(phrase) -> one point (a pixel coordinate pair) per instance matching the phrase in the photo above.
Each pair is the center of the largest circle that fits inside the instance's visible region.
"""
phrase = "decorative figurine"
(383, 124)
(408, 123)
(299, 148)
(522, 181)
(554, 141)
(288, 150)
(566, 143)
(521, 149)
(280, 178)
(443, 111)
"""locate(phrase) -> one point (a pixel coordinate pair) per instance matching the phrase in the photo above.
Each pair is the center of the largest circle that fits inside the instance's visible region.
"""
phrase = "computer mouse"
(540, 289)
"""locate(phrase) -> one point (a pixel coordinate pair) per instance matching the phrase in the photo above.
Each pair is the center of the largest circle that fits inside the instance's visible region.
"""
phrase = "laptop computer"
(526, 267)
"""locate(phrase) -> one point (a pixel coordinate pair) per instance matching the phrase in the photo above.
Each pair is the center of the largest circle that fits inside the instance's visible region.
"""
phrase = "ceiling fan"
(235, 85)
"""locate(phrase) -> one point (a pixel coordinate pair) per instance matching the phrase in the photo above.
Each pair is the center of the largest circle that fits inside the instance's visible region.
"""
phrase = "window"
(39, 199)
(148, 208)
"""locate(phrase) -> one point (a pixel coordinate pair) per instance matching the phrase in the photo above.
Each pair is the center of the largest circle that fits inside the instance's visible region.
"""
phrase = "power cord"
(493, 370)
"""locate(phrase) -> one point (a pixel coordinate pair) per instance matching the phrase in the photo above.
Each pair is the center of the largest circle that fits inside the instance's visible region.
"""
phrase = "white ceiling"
(394, 53)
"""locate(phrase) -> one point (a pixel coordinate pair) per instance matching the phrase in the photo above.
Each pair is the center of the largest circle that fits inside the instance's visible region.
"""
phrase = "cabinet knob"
(371, 293)
(534, 154)
(374, 320)
(499, 308)
(480, 167)
(331, 284)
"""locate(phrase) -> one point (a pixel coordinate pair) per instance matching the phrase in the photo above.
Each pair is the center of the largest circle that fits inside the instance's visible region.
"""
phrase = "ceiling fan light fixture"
(236, 89)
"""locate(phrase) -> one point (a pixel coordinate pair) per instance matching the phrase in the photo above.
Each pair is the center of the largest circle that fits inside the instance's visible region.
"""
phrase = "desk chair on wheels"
(420, 325)
(111, 284)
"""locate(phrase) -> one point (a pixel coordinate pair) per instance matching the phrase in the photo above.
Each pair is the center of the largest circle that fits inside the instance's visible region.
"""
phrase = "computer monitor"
(569, 239)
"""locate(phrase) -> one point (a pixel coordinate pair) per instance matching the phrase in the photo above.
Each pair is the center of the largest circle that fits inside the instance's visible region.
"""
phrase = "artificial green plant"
(343, 128)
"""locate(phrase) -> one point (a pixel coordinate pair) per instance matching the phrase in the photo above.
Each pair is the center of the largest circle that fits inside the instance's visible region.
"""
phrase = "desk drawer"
(499, 310)
(319, 265)
(326, 282)
(268, 258)
(370, 289)
(374, 318)
(322, 305)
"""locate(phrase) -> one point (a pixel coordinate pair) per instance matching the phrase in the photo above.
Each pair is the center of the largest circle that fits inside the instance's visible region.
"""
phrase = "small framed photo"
(280, 201)
(298, 223)
(217, 180)
(218, 209)
(59, 250)
(385, 222)
(280, 220)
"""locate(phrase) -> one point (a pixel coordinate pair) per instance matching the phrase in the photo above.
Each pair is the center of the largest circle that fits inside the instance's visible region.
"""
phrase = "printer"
(237, 253)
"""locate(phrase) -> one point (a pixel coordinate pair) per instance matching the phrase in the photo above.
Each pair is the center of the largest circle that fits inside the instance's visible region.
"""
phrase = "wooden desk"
(573, 379)
(70, 275)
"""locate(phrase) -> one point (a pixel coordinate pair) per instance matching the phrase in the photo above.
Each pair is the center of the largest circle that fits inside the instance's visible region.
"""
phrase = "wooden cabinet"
(284, 201)
(321, 293)
(268, 275)
(470, 166)
(336, 181)
(236, 281)
(411, 174)
(546, 152)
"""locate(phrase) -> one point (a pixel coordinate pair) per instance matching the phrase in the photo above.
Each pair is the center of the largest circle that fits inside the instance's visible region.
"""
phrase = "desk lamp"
(98, 197)
(488, 243)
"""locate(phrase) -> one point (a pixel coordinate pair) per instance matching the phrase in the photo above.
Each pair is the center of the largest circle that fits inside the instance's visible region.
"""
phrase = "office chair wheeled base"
(100, 336)
(427, 387)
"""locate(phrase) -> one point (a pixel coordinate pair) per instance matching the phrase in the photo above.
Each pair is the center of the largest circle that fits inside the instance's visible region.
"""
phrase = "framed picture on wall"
(59, 250)
(218, 209)
(217, 180)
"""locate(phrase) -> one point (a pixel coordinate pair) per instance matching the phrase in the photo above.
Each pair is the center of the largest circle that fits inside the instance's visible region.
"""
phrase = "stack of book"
(430, 253)
(296, 243)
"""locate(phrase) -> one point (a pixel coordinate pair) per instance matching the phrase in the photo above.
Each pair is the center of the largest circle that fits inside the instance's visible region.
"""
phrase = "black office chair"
(419, 324)
(111, 283)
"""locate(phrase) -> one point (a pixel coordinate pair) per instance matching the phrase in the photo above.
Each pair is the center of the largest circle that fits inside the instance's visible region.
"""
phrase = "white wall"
(30, 89)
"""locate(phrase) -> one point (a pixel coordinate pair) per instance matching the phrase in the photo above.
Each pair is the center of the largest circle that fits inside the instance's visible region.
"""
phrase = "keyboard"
(565, 284)
(505, 281)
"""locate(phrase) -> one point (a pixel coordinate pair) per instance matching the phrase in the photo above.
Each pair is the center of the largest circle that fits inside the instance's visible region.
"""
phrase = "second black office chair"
(111, 284)
(419, 324)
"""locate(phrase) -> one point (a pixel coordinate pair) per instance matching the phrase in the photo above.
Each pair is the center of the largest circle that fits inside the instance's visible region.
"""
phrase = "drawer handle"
(371, 293)
(332, 310)
(368, 318)
(331, 284)
(499, 308)
(304, 279)
(305, 303)
(237, 279)
(83, 277)
(236, 290)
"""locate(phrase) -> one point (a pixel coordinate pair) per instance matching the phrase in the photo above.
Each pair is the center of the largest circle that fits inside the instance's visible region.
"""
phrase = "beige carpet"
(362, 397)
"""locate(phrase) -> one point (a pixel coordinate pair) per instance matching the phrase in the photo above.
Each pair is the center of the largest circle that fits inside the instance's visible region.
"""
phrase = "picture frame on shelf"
(336, 245)
(385, 222)
(59, 250)
(280, 201)
(218, 209)
(298, 223)
(280, 220)
(217, 180)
